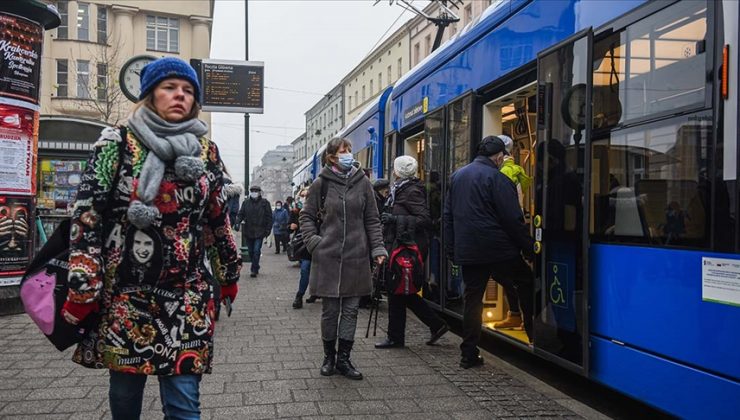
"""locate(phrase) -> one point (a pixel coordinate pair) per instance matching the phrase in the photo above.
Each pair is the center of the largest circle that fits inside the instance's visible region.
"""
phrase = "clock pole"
(245, 251)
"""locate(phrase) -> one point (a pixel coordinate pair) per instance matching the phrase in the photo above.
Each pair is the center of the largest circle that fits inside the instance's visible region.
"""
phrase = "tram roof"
(492, 16)
(376, 106)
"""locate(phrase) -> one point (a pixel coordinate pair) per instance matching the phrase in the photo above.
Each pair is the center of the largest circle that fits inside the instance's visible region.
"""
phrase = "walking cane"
(374, 302)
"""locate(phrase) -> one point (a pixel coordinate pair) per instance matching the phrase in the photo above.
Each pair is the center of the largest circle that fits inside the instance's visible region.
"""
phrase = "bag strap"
(324, 192)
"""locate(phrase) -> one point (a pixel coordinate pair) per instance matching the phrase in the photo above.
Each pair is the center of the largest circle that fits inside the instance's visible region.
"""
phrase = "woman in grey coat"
(340, 243)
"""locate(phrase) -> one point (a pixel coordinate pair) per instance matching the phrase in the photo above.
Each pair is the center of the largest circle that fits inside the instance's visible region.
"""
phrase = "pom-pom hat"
(167, 68)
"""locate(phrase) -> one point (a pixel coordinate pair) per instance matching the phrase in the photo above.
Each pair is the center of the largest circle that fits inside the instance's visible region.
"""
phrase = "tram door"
(561, 283)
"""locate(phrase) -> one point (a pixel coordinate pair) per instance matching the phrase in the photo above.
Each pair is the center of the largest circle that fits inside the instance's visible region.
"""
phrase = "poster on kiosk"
(21, 40)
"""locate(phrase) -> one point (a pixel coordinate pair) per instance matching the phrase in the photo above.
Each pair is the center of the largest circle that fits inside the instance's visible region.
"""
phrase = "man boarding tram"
(486, 235)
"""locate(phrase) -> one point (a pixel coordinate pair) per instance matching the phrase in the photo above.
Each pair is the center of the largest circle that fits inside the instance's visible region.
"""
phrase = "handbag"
(297, 250)
(44, 285)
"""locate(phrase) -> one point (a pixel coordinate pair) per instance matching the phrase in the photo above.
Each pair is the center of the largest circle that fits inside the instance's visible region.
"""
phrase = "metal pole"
(245, 252)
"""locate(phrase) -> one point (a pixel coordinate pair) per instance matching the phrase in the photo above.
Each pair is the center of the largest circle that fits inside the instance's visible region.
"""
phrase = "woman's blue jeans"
(305, 272)
(180, 395)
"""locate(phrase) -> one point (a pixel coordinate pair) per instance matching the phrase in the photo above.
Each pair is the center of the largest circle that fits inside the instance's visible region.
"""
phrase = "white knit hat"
(405, 166)
(508, 143)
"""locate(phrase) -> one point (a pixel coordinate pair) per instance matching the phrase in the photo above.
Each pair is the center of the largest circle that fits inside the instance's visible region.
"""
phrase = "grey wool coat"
(350, 235)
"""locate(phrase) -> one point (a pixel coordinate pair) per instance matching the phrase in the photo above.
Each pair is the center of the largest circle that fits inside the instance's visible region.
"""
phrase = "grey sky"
(306, 46)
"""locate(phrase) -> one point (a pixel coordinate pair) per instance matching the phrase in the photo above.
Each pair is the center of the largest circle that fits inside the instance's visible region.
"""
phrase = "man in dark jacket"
(486, 235)
(256, 215)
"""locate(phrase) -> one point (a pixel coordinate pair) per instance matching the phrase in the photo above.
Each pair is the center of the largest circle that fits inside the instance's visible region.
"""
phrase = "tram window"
(650, 185)
(654, 66)
(459, 133)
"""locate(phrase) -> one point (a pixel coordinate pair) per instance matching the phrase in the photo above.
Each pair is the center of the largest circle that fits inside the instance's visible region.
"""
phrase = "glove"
(229, 291)
(74, 313)
(387, 219)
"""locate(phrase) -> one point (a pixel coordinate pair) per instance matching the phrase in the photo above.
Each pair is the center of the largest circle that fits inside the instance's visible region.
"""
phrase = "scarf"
(396, 186)
(167, 142)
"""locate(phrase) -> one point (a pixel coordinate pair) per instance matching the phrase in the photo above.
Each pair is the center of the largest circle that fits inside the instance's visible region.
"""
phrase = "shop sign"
(18, 129)
(20, 60)
(232, 86)
(16, 245)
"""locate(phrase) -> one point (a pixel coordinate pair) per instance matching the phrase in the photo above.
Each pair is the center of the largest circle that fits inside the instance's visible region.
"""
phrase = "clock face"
(573, 107)
(130, 73)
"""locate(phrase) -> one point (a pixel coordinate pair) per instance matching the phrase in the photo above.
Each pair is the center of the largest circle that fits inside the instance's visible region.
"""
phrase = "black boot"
(344, 365)
(330, 356)
(311, 299)
(298, 301)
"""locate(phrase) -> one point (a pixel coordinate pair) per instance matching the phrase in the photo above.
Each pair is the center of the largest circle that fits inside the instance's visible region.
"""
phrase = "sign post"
(233, 86)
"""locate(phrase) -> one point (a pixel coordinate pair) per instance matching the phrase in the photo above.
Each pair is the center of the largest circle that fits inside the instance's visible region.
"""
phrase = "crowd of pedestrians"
(154, 274)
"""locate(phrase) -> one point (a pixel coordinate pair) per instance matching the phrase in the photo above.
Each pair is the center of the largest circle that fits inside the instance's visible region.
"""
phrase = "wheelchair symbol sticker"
(557, 284)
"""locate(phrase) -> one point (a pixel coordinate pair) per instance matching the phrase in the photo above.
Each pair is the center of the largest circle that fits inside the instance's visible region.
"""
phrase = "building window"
(363, 93)
(400, 67)
(350, 101)
(380, 81)
(102, 85)
(62, 77)
(372, 91)
(417, 53)
(83, 21)
(83, 79)
(162, 34)
(468, 13)
(428, 45)
(63, 28)
(102, 25)
(356, 102)
(453, 30)
(390, 75)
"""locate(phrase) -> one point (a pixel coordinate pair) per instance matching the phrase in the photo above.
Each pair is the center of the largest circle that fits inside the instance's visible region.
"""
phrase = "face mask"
(278, 206)
(254, 194)
(345, 160)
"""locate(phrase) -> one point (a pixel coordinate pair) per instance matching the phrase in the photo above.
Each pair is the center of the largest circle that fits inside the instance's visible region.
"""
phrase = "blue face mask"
(345, 160)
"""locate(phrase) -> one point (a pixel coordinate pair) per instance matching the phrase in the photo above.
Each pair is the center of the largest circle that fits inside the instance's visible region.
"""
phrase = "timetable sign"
(232, 86)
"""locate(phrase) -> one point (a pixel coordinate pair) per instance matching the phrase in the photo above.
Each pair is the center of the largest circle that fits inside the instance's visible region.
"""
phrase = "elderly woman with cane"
(341, 230)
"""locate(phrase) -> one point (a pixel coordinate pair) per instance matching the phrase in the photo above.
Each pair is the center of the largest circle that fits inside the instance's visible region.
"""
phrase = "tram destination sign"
(231, 86)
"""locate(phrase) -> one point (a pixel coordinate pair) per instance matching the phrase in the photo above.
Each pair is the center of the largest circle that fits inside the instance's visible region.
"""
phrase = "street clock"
(130, 73)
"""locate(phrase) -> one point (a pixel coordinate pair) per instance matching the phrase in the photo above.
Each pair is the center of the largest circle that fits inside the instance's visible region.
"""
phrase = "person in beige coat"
(341, 245)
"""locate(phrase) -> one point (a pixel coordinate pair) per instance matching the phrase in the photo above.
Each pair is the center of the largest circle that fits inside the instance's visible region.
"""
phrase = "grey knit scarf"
(166, 142)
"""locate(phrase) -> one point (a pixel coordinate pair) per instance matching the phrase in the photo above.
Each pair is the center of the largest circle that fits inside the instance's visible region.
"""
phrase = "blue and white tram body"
(632, 211)
(366, 133)
(309, 169)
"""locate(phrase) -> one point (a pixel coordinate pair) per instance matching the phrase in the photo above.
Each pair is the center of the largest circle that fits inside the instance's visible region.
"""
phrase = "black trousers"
(513, 274)
(397, 305)
(281, 240)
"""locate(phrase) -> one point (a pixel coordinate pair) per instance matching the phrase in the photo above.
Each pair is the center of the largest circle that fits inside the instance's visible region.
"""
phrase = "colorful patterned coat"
(156, 295)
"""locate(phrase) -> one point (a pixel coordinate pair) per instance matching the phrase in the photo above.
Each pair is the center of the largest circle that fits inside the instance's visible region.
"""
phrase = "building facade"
(275, 173)
(80, 91)
(381, 68)
(300, 153)
(324, 119)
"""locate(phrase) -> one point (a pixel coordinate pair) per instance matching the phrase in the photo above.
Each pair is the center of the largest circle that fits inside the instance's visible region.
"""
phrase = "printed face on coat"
(143, 248)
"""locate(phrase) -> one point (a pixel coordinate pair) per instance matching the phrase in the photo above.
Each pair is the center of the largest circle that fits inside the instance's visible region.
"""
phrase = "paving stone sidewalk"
(267, 357)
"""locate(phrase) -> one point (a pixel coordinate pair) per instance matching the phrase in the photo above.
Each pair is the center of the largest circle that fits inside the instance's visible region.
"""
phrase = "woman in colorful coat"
(137, 254)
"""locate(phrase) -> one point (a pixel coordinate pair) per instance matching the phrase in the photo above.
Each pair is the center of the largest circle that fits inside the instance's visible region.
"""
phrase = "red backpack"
(406, 269)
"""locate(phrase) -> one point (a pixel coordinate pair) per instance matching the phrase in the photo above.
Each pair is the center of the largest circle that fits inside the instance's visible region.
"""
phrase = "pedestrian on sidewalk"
(280, 218)
(136, 258)
(486, 235)
(340, 237)
(407, 207)
(305, 264)
(256, 215)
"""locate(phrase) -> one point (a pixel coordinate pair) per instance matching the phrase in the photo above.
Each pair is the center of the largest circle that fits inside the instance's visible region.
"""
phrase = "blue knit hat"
(166, 68)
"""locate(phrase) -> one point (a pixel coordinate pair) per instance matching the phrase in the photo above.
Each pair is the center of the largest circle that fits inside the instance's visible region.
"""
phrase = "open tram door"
(564, 80)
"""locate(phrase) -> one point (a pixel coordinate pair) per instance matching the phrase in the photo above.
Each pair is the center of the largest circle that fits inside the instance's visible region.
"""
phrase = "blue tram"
(626, 114)
(366, 132)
